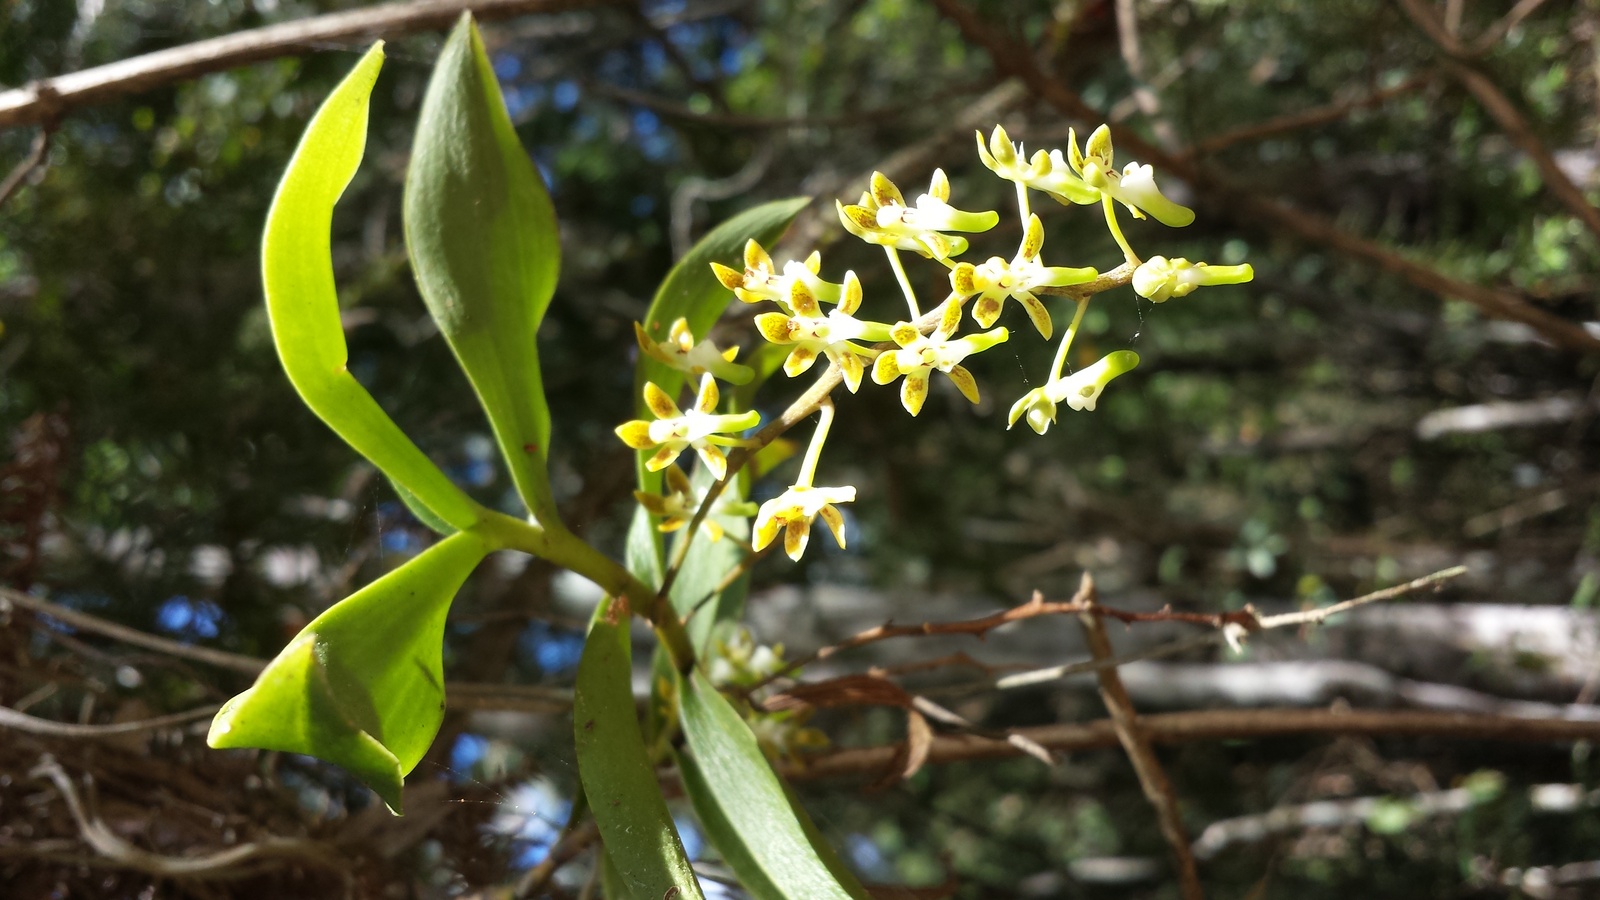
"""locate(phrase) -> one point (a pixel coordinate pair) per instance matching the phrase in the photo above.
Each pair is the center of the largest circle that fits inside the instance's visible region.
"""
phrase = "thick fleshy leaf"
(624, 795)
(485, 250)
(697, 588)
(362, 686)
(743, 806)
(303, 303)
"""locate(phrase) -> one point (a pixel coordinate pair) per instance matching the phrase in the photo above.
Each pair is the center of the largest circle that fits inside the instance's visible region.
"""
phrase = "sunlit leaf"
(620, 782)
(485, 250)
(303, 303)
(362, 686)
(743, 806)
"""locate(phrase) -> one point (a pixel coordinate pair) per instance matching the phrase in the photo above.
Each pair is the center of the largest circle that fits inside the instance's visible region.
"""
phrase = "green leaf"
(690, 291)
(642, 553)
(303, 303)
(425, 515)
(485, 250)
(708, 563)
(743, 806)
(617, 776)
(362, 686)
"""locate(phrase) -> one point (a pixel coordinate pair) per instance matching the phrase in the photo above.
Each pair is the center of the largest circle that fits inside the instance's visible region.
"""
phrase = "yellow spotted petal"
(774, 327)
(886, 369)
(851, 369)
(800, 360)
(905, 334)
(636, 434)
(706, 401)
(659, 403)
(1036, 313)
(663, 458)
(835, 522)
(914, 391)
(796, 534)
(716, 463)
(965, 383)
(731, 278)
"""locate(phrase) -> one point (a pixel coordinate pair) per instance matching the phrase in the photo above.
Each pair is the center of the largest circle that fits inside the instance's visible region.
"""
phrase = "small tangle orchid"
(910, 347)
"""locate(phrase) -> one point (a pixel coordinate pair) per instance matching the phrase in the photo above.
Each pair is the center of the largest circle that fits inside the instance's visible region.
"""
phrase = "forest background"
(1407, 385)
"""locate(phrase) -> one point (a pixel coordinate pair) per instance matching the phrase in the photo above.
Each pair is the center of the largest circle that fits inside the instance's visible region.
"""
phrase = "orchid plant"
(362, 686)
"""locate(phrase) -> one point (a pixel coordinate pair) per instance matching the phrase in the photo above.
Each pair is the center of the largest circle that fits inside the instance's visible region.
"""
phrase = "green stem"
(905, 283)
(808, 468)
(1022, 206)
(565, 549)
(1066, 340)
(1110, 207)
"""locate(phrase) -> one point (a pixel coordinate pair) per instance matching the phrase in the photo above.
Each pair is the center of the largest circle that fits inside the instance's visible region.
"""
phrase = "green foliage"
(297, 271)
(485, 249)
(363, 685)
(618, 778)
(746, 812)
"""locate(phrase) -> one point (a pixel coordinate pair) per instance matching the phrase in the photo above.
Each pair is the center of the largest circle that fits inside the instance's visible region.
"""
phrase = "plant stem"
(1022, 207)
(905, 283)
(1066, 340)
(1110, 206)
(808, 468)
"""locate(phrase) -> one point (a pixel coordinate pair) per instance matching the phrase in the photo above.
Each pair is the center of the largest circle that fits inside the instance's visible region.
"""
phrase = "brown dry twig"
(241, 860)
(1215, 725)
(1152, 778)
(1494, 101)
(29, 164)
(1011, 59)
(49, 99)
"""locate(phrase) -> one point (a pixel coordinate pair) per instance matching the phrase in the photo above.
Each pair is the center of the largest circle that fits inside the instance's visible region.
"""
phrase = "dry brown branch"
(1308, 118)
(1231, 630)
(1499, 106)
(46, 100)
(1217, 725)
(1010, 59)
(573, 841)
(30, 163)
(1152, 778)
(243, 859)
(19, 721)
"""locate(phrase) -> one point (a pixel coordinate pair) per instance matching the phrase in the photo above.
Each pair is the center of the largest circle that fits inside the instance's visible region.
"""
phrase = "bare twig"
(19, 721)
(1497, 104)
(573, 841)
(1231, 630)
(46, 100)
(1307, 118)
(35, 158)
(233, 862)
(1010, 59)
(1217, 725)
(1152, 778)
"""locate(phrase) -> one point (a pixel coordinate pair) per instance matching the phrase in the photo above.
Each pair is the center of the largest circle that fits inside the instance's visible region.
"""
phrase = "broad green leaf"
(708, 563)
(611, 884)
(642, 552)
(303, 303)
(617, 776)
(427, 516)
(485, 250)
(362, 686)
(743, 806)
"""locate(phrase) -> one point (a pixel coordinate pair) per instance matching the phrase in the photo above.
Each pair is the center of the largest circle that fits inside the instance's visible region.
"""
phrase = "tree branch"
(1152, 778)
(1215, 725)
(43, 101)
(1010, 59)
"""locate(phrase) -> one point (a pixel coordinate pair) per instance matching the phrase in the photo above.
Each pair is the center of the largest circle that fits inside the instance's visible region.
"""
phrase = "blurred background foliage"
(1289, 440)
